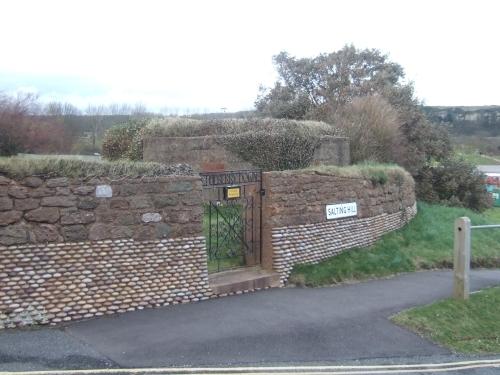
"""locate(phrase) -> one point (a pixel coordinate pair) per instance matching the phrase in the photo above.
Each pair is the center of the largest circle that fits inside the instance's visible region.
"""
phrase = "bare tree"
(96, 114)
(60, 109)
(139, 109)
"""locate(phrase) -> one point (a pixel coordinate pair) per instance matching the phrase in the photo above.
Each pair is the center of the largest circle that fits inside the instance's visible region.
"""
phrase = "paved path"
(277, 326)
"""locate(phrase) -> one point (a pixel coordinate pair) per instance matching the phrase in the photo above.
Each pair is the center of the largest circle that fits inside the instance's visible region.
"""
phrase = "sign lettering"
(337, 211)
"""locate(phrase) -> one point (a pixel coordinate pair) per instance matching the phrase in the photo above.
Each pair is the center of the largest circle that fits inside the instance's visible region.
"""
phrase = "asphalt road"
(343, 324)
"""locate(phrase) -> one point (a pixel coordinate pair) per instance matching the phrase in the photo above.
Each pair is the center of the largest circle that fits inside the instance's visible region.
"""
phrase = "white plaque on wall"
(337, 211)
(103, 191)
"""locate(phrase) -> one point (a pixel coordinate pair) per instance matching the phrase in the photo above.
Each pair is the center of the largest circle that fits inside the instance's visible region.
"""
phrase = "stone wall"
(37, 210)
(295, 228)
(66, 253)
(207, 155)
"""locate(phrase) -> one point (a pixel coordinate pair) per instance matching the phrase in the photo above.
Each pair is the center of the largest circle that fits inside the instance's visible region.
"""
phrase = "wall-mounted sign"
(103, 191)
(232, 192)
(336, 211)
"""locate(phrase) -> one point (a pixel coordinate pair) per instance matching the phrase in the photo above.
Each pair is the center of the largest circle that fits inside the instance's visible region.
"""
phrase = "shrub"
(9, 145)
(134, 151)
(274, 149)
(454, 182)
(84, 147)
(118, 140)
(14, 112)
(372, 126)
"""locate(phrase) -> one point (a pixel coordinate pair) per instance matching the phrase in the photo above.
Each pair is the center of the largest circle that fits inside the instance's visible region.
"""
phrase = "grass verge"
(464, 326)
(425, 243)
(375, 172)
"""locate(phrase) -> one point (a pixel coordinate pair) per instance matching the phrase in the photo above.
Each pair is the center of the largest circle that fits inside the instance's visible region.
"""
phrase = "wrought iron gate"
(232, 218)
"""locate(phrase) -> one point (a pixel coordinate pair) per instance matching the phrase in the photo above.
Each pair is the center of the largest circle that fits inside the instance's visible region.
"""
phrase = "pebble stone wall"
(312, 243)
(295, 227)
(67, 253)
(60, 282)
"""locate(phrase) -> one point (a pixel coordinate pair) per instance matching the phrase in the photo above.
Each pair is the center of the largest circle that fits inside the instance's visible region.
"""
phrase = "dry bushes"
(19, 167)
(373, 128)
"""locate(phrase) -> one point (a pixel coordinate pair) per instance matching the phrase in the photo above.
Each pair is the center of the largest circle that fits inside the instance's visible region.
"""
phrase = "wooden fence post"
(461, 259)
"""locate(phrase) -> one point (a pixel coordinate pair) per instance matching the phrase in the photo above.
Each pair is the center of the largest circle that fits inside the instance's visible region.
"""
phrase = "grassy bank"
(470, 327)
(425, 243)
(479, 159)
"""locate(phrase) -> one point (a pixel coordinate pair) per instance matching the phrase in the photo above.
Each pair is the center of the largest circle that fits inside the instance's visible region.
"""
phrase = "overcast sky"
(205, 55)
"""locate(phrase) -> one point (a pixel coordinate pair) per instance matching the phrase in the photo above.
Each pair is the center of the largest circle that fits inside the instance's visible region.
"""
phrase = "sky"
(201, 56)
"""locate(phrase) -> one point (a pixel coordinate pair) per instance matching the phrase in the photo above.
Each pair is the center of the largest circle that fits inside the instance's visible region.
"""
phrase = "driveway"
(276, 326)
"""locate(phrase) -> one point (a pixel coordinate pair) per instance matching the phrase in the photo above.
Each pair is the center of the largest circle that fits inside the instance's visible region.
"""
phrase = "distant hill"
(482, 121)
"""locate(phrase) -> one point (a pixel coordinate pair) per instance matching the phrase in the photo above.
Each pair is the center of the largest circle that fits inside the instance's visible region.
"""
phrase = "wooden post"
(461, 259)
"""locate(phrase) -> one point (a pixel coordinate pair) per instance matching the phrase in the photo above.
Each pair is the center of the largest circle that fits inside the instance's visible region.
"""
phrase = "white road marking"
(283, 370)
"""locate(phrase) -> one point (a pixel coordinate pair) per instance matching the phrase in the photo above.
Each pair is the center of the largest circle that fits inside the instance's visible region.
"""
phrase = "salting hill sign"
(337, 211)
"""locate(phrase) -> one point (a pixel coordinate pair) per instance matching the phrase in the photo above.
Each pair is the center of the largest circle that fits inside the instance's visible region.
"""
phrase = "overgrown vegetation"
(119, 143)
(424, 243)
(271, 144)
(29, 126)
(372, 126)
(19, 167)
(328, 87)
(463, 326)
(454, 182)
(378, 174)
(364, 94)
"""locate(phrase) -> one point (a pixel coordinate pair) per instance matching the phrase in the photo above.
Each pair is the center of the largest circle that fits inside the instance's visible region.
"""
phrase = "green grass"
(425, 243)
(50, 166)
(464, 326)
(226, 251)
(478, 159)
(375, 172)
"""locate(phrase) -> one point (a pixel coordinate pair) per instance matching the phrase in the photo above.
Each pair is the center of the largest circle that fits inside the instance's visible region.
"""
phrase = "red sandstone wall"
(296, 230)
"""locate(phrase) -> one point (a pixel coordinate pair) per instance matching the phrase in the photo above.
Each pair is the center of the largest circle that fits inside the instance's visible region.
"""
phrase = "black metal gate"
(232, 218)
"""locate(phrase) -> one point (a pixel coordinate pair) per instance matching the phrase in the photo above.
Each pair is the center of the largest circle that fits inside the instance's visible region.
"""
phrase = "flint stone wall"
(67, 254)
(295, 228)
(207, 154)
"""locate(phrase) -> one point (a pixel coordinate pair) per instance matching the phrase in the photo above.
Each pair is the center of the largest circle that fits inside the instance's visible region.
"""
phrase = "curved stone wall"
(296, 229)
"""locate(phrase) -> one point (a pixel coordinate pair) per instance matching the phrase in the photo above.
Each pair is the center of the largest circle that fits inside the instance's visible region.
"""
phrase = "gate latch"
(262, 192)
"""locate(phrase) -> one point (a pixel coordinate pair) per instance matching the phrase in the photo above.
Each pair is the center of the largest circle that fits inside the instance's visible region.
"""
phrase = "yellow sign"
(233, 192)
